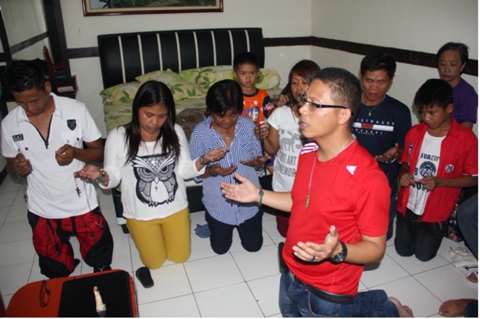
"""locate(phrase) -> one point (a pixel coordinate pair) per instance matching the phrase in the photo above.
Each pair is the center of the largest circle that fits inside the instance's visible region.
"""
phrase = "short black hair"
(223, 96)
(434, 92)
(345, 88)
(375, 61)
(245, 58)
(23, 75)
(457, 46)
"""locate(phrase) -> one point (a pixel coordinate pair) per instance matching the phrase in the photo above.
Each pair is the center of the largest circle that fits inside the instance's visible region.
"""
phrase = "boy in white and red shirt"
(440, 158)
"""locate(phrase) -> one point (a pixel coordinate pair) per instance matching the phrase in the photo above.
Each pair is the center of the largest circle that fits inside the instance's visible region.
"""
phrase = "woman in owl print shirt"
(150, 156)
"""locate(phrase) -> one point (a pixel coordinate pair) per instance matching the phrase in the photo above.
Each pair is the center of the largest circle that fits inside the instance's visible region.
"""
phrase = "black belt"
(336, 298)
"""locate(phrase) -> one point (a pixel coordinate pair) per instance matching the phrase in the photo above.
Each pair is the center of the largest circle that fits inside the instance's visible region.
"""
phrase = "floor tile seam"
(188, 279)
(13, 241)
(433, 293)
(271, 238)
(18, 264)
(385, 282)
(154, 301)
(238, 267)
(164, 299)
(255, 279)
(433, 268)
(254, 297)
(406, 270)
(8, 205)
(220, 287)
(200, 258)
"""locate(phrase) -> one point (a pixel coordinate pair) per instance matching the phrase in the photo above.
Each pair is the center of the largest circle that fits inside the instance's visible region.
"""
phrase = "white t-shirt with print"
(285, 165)
(427, 165)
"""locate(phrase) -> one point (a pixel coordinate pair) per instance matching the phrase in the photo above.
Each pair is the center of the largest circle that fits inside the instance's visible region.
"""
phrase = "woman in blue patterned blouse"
(225, 127)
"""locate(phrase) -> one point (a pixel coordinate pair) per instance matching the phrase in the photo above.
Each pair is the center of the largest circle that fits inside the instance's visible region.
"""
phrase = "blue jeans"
(297, 301)
(467, 218)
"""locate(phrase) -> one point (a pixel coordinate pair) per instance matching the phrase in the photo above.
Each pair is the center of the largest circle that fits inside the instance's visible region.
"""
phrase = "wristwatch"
(211, 172)
(201, 161)
(340, 257)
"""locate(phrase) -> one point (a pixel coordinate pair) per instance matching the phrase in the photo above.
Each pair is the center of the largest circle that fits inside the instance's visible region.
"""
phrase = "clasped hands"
(428, 182)
(89, 172)
(64, 156)
(261, 132)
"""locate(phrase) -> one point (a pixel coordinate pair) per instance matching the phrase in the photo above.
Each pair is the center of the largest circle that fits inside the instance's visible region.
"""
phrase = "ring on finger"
(313, 258)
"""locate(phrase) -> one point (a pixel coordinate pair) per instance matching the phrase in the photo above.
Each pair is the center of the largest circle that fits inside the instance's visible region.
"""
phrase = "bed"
(188, 61)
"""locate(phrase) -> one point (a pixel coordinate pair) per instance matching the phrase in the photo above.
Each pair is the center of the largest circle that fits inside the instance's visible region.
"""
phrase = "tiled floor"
(237, 284)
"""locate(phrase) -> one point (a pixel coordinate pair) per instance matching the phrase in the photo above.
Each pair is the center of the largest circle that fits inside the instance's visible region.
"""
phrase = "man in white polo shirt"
(42, 140)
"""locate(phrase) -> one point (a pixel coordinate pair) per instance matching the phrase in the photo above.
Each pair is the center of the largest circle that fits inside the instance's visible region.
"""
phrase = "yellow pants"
(162, 238)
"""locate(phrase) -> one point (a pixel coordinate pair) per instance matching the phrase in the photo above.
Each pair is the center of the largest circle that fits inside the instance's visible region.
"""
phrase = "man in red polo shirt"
(339, 203)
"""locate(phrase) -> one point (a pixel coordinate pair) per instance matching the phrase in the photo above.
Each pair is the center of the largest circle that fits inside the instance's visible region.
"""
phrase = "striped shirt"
(245, 146)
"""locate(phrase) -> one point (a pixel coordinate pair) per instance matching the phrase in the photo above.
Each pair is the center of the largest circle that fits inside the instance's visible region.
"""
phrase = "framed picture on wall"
(121, 7)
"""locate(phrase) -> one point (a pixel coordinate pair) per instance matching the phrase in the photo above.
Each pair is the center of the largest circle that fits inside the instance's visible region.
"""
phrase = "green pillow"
(124, 92)
(206, 76)
(181, 88)
(268, 79)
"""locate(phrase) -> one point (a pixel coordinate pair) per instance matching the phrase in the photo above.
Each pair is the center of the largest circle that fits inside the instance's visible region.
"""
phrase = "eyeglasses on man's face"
(303, 101)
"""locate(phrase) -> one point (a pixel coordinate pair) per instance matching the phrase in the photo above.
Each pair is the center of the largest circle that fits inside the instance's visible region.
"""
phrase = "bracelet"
(260, 195)
(101, 179)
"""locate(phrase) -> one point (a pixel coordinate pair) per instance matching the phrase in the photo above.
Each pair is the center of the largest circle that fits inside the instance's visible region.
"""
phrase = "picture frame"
(125, 7)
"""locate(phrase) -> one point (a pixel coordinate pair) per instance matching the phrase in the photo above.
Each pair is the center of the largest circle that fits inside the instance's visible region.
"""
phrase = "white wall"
(408, 24)
(273, 16)
(24, 19)
(15, 14)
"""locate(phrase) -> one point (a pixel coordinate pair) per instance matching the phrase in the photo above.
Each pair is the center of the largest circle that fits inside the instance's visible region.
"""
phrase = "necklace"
(22, 186)
(370, 111)
(310, 188)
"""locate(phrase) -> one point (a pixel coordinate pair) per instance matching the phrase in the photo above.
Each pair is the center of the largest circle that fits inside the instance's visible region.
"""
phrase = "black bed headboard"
(124, 56)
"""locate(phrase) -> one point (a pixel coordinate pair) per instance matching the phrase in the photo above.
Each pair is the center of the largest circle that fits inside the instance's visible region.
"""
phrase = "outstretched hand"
(89, 172)
(389, 156)
(245, 192)
(313, 252)
(215, 154)
(257, 162)
(217, 169)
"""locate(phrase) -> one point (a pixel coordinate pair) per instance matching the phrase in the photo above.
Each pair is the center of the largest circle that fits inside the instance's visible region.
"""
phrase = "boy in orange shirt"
(256, 102)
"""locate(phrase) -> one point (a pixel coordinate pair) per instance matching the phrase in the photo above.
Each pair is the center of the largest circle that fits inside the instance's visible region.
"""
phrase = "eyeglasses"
(303, 100)
(44, 294)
